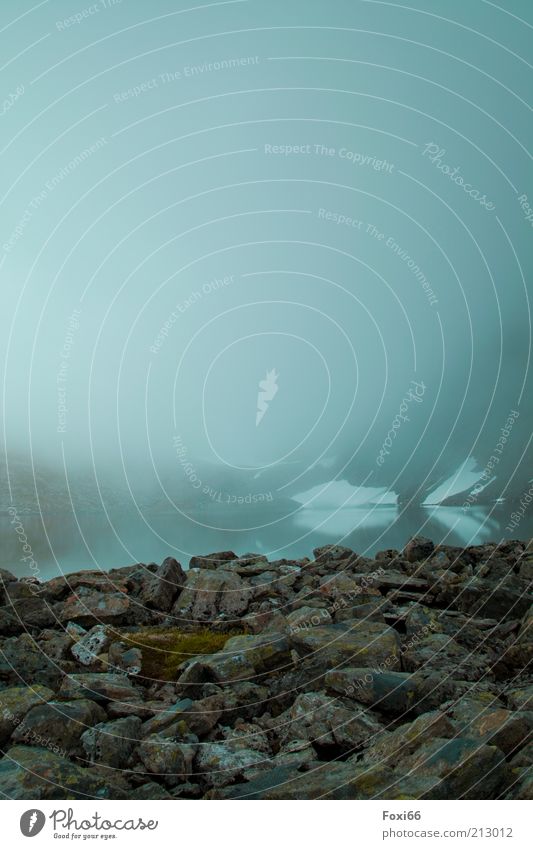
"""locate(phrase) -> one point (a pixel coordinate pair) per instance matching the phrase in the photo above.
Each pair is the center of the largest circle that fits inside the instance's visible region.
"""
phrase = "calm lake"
(64, 543)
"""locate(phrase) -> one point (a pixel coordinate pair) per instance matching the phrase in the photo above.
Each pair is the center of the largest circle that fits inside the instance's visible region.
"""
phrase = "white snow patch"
(341, 494)
(466, 477)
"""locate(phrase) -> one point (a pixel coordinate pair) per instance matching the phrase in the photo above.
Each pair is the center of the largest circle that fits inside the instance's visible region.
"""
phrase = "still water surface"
(64, 543)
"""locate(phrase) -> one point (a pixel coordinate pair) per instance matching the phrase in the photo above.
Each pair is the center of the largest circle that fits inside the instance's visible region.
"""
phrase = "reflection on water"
(64, 543)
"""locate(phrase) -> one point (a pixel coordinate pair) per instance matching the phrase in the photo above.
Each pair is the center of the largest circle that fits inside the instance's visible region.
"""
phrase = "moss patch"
(164, 649)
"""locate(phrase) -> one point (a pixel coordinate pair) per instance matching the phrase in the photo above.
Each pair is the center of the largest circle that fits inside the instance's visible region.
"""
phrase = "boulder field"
(403, 676)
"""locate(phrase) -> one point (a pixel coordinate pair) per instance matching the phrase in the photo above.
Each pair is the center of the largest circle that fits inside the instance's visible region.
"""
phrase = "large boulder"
(15, 702)
(455, 769)
(59, 725)
(244, 657)
(23, 660)
(308, 617)
(90, 607)
(393, 693)
(165, 717)
(208, 595)
(249, 565)
(264, 653)
(336, 556)
(350, 643)
(56, 645)
(521, 698)
(327, 723)
(418, 548)
(169, 760)
(29, 773)
(112, 743)
(78, 583)
(391, 747)
(443, 653)
(487, 721)
(159, 589)
(27, 613)
(221, 667)
(341, 781)
(100, 687)
(494, 598)
(219, 764)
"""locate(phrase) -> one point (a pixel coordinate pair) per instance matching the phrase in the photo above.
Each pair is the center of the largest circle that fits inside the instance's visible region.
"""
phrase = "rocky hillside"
(401, 677)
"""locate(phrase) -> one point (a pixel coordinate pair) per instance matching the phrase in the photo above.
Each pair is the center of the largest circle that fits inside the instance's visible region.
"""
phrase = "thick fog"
(263, 253)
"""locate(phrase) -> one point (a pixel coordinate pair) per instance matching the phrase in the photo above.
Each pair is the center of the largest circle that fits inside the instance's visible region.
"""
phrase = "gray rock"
(90, 607)
(160, 589)
(15, 702)
(24, 661)
(112, 743)
(59, 725)
(326, 722)
(209, 594)
(31, 773)
(100, 687)
(219, 764)
(390, 692)
(215, 561)
(169, 760)
(418, 548)
(125, 658)
(351, 643)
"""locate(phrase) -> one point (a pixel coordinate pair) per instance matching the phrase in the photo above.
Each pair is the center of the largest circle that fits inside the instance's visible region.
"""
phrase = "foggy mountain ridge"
(43, 489)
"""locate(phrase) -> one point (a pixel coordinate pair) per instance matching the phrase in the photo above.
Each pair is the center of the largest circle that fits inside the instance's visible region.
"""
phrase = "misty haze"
(228, 323)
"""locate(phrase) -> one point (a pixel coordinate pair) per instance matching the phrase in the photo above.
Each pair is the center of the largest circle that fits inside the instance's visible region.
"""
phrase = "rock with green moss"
(340, 781)
(112, 743)
(31, 773)
(171, 762)
(24, 660)
(88, 607)
(165, 717)
(391, 746)
(165, 652)
(100, 687)
(60, 724)
(351, 643)
(15, 703)
(207, 595)
(521, 698)
(223, 763)
(326, 722)
(457, 768)
(264, 652)
(151, 790)
(486, 720)
(393, 693)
